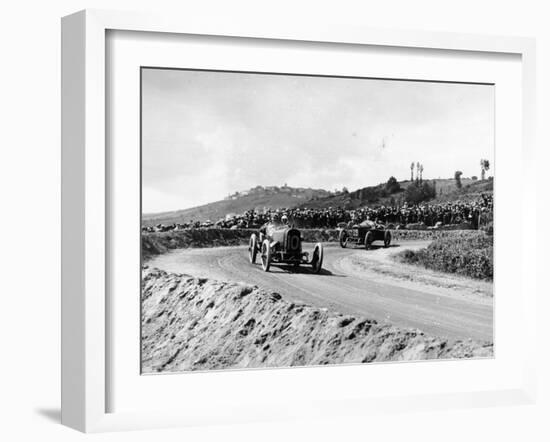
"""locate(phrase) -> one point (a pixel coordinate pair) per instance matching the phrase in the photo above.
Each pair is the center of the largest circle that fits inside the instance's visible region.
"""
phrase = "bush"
(392, 186)
(470, 256)
(419, 192)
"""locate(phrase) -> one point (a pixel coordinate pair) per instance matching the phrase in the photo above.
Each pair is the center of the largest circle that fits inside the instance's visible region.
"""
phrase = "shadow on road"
(376, 247)
(373, 247)
(306, 270)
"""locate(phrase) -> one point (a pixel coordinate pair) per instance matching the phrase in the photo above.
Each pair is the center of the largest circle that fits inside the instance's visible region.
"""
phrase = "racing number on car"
(294, 242)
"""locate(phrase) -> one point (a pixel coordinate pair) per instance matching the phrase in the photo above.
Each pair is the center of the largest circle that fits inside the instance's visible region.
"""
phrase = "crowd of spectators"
(475, 213)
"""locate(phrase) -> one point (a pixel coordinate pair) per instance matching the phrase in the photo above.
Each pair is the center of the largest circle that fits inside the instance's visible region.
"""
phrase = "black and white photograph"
(296, 220)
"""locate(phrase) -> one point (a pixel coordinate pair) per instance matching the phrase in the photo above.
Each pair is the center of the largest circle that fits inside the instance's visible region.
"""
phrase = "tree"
(392, 186)
(474, 178)
(417, 171)
(412, 170)
(371, 194)
(458, 174)
(484, 167)
(421, 170)
(416, 192)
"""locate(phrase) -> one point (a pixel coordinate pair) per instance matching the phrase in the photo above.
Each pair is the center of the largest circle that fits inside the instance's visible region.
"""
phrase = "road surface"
(358, 282)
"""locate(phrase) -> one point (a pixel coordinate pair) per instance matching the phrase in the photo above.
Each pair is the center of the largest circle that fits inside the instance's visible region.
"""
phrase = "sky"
(206, 135)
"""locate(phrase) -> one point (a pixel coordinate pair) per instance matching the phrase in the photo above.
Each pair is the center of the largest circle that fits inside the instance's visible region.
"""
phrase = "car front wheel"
(253, 248)
(317, 259)
(369, 238)
(266, 255)
(343, 239)
(387, 239)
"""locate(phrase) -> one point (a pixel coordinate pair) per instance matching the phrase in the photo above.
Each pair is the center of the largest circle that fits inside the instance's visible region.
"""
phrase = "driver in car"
(275, 223)
(354, 220)
(368, 223)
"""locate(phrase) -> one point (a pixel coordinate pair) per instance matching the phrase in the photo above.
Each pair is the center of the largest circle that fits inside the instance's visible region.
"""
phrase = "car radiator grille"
(293, 241)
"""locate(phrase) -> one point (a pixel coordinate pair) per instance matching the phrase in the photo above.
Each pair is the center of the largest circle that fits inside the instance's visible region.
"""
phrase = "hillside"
(471, 190)
(256, 198)
(446, 190)
(278, 197)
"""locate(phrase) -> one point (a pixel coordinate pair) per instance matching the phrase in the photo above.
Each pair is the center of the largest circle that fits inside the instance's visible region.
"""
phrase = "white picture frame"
(85, 202)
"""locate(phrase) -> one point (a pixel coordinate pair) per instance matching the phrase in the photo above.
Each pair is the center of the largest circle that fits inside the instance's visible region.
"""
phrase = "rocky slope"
(200, 324)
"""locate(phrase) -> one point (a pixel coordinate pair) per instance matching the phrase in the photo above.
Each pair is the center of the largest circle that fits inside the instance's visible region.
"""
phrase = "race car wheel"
(387, 239)
(317, 258)
(266, 255)
(369, 238)
(343, 239)
(253, 248)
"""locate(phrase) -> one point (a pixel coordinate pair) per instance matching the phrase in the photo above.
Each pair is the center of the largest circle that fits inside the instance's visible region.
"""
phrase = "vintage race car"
(283, 245)
(359, 235)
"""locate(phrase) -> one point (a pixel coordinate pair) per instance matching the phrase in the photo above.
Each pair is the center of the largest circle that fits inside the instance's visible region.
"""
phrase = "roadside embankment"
(202, 324)
(157, 243)
(470, 256)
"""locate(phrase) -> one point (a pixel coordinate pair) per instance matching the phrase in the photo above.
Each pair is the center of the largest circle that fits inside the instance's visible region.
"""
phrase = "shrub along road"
(471, 256)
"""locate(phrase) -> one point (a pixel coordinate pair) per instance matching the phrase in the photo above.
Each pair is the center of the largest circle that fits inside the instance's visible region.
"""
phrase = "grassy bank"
(470, 256)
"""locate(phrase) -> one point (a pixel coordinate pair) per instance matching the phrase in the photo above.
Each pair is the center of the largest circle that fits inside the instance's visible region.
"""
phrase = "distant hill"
(256, 198)
(446, 190)
(471, 190)
(260, 197)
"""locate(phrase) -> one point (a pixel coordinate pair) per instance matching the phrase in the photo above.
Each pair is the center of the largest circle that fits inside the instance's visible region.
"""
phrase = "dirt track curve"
(358, 282)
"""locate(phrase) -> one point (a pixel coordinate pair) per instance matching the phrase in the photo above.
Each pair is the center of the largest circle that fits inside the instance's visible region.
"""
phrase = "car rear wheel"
(317, 258)
(266, 255)
(253, 248)
(387, 239)
(369, 238)
(343, 239)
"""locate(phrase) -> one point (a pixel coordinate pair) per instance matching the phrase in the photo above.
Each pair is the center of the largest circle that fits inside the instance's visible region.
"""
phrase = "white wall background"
(30, 220)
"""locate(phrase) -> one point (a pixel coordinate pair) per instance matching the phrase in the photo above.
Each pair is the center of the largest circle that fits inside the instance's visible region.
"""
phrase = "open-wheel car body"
(364, 236)
(283, 245)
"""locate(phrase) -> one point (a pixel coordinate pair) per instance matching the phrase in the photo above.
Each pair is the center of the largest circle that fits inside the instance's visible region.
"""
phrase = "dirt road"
(358, 282)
